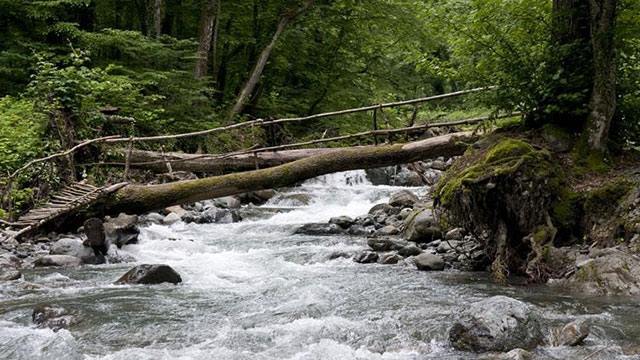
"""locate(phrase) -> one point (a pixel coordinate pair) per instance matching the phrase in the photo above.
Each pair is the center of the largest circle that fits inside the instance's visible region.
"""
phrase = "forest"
(499, 137)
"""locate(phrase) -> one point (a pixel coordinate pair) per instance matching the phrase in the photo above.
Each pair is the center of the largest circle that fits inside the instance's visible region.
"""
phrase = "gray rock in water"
(342, 221)
(300, 199)
(338, 254)
(366, 257)
(76, 248)
(257, 197)
(385, 244)
(428, 262)
(171, 218)
(319, 229)
(571, 334)
(122, 230)
(438, 165)
(213, 215)
(380, 209)
(403, 199)
(394, 175)
(515, 354)
(410, 250)
(149, 275)
(9, 274)
(53, 317)
(421, 227)
(359, 230)
(387, 230)
(57, 260)
(448, 246)
(153, 218)
(230, 202)
(498, 323)
(391, 258)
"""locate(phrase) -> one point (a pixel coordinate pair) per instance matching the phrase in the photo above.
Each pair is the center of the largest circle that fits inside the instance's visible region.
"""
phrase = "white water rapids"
(252, 290)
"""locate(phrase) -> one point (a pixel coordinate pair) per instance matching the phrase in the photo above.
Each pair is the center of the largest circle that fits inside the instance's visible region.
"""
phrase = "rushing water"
(252, 290)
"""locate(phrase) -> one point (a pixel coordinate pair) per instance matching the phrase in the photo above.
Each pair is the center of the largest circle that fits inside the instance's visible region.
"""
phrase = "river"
(252, 290)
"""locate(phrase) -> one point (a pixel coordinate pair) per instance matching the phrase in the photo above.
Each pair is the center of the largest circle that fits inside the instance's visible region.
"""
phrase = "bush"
(21, 132)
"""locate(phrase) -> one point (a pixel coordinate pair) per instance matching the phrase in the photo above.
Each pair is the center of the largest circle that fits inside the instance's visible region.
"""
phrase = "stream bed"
(253, 290)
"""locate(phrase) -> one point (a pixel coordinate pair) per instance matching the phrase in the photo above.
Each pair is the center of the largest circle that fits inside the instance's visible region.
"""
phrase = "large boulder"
(610, 271)
(421, 227)
(150, 274)
(403, 199)
(76, 248)
(122, 230)
(496, 324)
(429, 262)
(57, 260)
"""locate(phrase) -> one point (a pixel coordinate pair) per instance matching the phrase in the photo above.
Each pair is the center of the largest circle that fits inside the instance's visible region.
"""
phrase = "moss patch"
(501, 157)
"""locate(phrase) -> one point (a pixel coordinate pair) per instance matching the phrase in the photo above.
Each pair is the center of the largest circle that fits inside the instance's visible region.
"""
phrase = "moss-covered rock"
(503, 190)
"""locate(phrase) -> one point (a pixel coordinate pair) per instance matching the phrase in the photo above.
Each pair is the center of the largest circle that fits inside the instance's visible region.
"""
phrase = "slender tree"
(256, 73)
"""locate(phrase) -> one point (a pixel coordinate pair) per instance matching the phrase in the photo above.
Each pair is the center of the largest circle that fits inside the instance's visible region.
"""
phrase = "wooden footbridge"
(70, 199)
(77, 196)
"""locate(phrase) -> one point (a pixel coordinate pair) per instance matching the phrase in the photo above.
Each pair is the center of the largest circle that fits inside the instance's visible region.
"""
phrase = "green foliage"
(626, 126)
(22, 130)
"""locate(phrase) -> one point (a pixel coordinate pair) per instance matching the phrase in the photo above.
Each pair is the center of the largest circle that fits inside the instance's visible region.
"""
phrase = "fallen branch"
(61, 154)
(305, 118)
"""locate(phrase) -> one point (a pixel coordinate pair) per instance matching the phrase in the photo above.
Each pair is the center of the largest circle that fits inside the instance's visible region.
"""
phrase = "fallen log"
(263, 157)
(212, 164)
(137, 199)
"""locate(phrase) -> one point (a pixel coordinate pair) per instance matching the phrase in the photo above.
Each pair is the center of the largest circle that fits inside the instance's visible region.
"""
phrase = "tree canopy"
(67, 66)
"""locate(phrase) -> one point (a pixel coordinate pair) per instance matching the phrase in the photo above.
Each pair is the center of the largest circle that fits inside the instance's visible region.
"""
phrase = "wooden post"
(127, 164)
(375, 125)
(167, 163)
(386, 124)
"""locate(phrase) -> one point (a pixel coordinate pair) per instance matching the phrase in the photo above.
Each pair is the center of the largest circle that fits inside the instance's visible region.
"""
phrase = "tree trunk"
(566, 98)
(603, 97)
(214, 42)
(157, 18)
(256, 73)
(197, 163)
(205, 38)
(143, 198)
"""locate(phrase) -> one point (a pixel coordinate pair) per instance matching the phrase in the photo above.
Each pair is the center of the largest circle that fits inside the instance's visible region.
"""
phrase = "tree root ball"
(502, 191)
